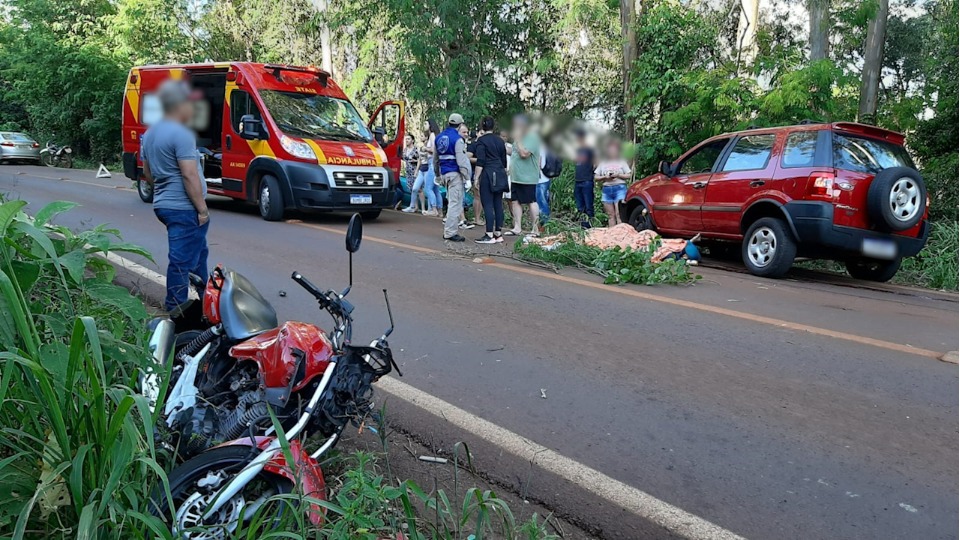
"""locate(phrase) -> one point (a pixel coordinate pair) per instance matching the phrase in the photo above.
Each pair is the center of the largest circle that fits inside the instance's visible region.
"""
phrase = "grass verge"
(77, 451)
(616, 265)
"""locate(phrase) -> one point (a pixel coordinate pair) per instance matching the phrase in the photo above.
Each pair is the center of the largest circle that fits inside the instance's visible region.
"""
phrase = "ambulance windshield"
(315, 117)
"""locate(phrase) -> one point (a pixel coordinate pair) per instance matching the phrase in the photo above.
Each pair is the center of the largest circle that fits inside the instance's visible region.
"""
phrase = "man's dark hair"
(488, 124)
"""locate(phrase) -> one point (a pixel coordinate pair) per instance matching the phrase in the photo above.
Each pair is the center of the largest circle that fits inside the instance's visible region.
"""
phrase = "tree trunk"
(747, 32)
(872, 62)
(819, 11)
(326, 50)
(628, 20)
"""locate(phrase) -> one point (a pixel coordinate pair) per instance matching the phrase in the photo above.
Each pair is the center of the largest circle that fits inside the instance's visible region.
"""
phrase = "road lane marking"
(644, 505)
(788, 325)
(779, 323)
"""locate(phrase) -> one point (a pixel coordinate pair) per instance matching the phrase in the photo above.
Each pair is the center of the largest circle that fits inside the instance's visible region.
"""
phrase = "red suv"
(841, 191)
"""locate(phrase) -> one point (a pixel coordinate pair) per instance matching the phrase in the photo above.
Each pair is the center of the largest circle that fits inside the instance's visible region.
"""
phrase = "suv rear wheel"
(873, 269)
(768, 248)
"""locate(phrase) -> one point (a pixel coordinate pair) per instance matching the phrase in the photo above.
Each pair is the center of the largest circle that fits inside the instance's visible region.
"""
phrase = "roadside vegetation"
(77, 451)
(666, 76)
(616, 265)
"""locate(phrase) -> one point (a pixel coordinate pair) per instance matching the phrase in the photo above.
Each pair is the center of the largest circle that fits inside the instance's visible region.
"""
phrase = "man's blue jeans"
(543, 200)
(187, 251)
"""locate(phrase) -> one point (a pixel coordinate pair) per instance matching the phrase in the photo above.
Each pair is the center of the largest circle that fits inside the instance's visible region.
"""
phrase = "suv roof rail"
(753, 126)
(808, 121)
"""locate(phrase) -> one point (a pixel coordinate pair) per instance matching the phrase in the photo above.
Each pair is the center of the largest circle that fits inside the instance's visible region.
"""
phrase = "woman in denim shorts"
(612, 173)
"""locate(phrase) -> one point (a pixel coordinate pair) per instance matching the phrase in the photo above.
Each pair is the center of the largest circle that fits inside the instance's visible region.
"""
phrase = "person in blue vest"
(454, 165)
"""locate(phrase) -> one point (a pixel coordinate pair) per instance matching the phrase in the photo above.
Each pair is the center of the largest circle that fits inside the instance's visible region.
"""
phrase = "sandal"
(510, 233)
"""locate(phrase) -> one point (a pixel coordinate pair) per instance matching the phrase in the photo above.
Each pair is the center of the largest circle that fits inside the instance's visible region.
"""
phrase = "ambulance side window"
(242, 103)
(388, 119)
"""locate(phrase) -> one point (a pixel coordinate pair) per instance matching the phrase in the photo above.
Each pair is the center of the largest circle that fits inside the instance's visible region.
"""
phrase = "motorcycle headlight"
(297, 148)
(68, 150)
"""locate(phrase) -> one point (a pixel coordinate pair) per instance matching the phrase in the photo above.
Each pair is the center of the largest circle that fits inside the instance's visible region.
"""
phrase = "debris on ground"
(623, 236)
(543, 393)
(432, 459)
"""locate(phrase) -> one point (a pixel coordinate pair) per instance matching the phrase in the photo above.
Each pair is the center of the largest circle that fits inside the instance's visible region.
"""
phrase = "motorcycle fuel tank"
(244, 313)
(280, 352)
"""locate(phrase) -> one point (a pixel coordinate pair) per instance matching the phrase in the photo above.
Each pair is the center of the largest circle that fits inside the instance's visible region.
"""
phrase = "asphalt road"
(774, 409)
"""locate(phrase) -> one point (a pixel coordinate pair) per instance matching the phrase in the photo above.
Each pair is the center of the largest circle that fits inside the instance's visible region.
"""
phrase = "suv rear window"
(750, 153)
(861, 154)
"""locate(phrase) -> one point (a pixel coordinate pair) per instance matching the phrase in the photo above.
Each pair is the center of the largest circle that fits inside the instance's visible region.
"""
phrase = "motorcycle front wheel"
(194, 484)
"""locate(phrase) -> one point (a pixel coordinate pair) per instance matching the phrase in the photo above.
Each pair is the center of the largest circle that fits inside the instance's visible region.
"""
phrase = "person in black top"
(490, 173)
(583, 178)
(475, 188)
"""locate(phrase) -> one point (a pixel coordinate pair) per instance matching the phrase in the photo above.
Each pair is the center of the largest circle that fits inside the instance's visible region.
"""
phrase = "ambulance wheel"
(271, 199)
(370, 215)
(145, 190)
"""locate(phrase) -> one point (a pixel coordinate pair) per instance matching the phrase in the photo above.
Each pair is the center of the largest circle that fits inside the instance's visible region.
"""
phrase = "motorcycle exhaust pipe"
(161, 347)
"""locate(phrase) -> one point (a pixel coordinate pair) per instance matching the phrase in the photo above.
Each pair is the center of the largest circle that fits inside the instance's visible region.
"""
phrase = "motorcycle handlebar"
(310, 287)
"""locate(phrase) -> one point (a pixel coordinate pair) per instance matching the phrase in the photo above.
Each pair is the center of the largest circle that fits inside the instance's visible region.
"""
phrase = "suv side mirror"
(666, 168)
(252, 128)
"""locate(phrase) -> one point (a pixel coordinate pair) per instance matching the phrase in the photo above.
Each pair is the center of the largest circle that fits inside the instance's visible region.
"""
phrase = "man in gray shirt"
(171, 161)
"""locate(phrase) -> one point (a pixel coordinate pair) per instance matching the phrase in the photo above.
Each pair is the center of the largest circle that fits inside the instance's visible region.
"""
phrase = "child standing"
(583, 179)
(613, 172)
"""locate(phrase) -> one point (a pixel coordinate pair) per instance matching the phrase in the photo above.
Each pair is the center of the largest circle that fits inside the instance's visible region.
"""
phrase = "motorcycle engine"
(230, 406)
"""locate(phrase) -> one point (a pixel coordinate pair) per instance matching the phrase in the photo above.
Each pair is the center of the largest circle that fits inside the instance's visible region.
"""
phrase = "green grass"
(936, 266)
(77, 451)
(615, 265)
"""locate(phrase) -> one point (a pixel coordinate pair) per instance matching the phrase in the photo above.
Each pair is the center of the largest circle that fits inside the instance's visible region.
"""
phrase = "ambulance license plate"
(879, 249)
(361, 199)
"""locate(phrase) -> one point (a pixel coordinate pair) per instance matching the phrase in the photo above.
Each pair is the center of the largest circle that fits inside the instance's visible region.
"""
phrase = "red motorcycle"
(312, 383)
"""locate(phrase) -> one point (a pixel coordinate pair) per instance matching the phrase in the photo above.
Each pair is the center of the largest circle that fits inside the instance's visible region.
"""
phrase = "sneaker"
(499, 239)
(466, 225)
(408, 210)
(455, 238)
(486, 239)
(432, 213)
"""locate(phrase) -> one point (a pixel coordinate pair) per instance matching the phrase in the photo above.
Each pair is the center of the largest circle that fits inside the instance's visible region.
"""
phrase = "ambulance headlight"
(297, 148)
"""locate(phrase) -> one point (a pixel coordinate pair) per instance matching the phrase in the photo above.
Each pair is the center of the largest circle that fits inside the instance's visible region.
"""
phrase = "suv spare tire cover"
(897, 199)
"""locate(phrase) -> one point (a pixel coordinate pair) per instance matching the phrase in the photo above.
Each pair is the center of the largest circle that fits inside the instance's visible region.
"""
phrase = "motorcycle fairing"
(305, 474)
(288, 357)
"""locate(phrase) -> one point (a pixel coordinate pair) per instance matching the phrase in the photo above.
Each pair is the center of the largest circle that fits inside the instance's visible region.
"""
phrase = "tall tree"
(872, 63)
(819, 11)
(628, 31)
(747, 31)
(326, 43)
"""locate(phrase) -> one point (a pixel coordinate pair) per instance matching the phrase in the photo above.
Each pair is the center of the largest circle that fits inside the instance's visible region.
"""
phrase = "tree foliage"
(62, 63)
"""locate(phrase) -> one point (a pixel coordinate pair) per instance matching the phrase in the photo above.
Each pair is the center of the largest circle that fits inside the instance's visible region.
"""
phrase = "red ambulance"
(281, 137)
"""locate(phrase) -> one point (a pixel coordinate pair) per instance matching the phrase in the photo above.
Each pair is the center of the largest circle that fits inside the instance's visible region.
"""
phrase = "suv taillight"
(820, 185)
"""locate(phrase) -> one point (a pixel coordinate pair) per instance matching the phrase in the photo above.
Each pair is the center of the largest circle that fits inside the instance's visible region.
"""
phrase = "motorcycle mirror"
(353, 238)
(354, 233)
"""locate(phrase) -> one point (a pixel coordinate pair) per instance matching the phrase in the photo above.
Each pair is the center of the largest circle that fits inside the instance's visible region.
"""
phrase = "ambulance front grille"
(359, 181)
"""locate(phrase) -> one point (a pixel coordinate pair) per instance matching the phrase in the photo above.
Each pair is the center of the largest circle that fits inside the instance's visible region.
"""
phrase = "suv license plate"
(361, 199)
(879, 249)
